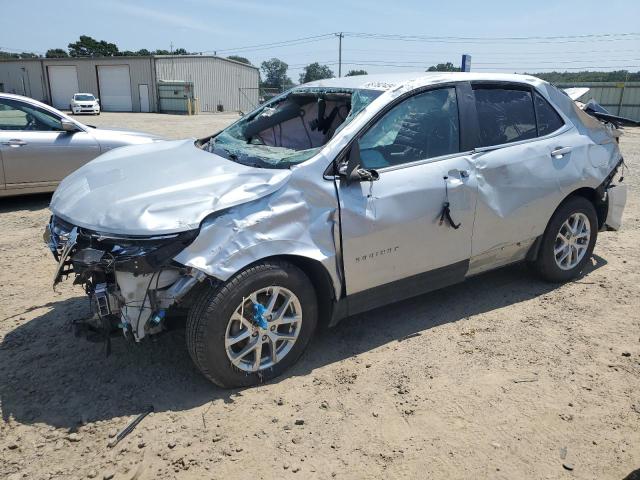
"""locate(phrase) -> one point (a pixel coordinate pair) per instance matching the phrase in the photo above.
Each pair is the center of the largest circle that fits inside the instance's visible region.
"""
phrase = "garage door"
(63, 82)
(115, 88)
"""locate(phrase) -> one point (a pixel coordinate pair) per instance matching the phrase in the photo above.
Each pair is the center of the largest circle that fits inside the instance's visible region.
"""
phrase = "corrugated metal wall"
(23, 78)
(216, 81)
(620, 98)
(141, 71)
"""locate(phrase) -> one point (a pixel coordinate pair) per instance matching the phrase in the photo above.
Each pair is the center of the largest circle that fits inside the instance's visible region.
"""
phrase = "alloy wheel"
(263, 329)
(572, 241)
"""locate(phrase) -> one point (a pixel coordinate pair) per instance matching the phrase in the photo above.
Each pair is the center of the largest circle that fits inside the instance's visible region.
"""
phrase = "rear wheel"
(568, 241)
(253, 327)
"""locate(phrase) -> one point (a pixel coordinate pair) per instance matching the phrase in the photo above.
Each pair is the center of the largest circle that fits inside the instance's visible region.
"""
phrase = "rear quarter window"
(548, 119)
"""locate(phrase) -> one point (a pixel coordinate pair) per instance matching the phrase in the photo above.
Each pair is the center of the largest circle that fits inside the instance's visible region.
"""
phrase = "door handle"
(459, 172)
(560, 152)
(15, 142)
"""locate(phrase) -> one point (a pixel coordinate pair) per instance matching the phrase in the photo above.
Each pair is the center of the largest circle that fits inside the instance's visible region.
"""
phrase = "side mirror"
(352, 172)
(69, 126)
(98, 100)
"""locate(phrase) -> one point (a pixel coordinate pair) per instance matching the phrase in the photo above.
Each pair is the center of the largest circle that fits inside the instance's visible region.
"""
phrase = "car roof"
(388, 81)
(37, 103)
(23, 98)
(80, 93)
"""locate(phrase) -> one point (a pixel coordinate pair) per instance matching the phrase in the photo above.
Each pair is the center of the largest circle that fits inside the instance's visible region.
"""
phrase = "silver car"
(334, 198)
(40, 145)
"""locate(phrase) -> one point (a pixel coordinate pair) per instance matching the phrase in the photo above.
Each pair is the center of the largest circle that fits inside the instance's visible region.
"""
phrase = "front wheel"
(253, 327)
(568, 241)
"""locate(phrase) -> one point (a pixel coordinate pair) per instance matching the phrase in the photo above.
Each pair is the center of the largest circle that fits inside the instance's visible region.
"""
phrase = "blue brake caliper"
(258, 316)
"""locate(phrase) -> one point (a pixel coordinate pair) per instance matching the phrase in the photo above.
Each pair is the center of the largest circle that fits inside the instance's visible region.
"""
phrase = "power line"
(283, 43)
(608, 37)
(584, 67)
(454, 51)
(423, 62)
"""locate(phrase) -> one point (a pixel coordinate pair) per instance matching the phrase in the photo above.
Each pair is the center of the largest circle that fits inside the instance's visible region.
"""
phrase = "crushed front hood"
(158, 188)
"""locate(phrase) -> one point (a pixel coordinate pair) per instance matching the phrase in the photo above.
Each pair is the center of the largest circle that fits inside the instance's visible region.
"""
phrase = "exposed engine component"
(131, 281)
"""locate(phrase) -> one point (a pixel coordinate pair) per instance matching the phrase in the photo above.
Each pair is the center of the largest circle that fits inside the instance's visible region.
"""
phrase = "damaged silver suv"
(334, 198)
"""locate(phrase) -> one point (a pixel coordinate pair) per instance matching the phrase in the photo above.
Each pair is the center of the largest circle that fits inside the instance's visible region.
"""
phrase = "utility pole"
(340, 35)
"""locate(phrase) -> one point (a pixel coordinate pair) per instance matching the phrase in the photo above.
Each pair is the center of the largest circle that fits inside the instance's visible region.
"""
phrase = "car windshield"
(85, 98)
(290, 128)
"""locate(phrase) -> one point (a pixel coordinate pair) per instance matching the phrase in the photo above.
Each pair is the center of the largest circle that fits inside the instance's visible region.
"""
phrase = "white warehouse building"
(136, 84)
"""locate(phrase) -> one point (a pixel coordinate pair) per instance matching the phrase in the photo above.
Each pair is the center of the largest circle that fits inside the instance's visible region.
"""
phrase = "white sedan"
(84, 103)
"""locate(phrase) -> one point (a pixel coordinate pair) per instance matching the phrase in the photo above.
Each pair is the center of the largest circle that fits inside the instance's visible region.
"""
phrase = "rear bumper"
(617, 196)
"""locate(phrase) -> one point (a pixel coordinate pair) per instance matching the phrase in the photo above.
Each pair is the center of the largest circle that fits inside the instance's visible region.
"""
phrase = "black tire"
(545, 264)
(208, 318)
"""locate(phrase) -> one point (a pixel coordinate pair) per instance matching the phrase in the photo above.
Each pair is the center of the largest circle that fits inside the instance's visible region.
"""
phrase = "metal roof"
(123, 57)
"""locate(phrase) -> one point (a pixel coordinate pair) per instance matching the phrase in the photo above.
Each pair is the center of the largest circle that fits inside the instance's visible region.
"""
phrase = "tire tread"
(209, 300)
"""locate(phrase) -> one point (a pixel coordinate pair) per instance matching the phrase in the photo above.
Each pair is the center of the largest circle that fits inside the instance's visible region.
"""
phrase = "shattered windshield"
(291, 128)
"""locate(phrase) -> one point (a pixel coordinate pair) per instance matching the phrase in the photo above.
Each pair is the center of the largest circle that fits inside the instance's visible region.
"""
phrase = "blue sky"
(220, 25)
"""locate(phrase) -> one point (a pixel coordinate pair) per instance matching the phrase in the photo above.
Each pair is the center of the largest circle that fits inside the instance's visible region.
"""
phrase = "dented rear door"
(523, 155)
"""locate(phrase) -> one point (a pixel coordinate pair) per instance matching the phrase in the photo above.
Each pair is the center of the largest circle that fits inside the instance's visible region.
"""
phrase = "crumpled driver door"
(395, 241)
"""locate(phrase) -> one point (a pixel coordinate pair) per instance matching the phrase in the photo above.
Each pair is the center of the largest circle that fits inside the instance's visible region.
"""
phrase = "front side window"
(423, 126)
(19, 116)
(505, 115)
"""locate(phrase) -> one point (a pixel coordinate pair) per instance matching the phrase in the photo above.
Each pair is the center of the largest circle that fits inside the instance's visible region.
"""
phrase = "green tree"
(90, 47)
(443, 67)
(239, 59)
(18, 55)
(315, 71)
(56, 53)
(180, 51)
(353, 73)
(143, 52)
(275, 73)
(589, 76)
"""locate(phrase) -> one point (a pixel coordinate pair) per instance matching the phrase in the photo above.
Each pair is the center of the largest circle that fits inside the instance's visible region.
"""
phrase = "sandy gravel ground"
(501, 377)
(165, 125)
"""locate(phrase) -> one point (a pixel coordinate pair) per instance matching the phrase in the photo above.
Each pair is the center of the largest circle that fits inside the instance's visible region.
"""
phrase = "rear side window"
(548, 119)
(505, 115)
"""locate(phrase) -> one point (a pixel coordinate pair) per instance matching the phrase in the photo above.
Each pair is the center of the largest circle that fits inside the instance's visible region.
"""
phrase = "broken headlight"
(135, 254)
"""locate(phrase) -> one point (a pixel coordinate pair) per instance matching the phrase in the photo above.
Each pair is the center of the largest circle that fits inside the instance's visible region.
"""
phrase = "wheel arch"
(592, 195)
(320, 279)
(595, 196)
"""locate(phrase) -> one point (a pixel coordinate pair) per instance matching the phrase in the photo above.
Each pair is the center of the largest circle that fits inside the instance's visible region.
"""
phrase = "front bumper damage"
(132, 281)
